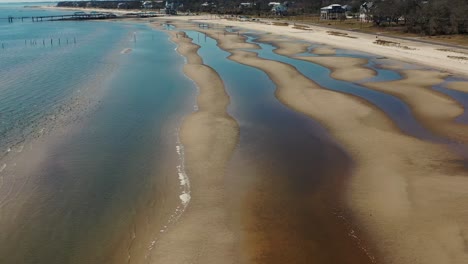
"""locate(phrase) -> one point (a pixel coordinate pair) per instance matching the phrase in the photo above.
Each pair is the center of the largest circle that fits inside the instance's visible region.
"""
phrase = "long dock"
(84, 16)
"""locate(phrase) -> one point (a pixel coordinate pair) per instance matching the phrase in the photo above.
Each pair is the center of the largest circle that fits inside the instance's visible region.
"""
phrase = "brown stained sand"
(459, 86)
(435, 110)
(344, 68)
(284, 223)
(203, 234)
(409, 196)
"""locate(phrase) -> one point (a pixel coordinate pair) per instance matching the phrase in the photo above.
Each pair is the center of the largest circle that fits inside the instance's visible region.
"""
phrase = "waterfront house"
(334, 11)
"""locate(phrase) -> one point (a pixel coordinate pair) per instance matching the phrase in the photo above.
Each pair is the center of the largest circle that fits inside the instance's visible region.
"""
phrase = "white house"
(279, 9)
(246, 5)
(147, 4)
(334, 11)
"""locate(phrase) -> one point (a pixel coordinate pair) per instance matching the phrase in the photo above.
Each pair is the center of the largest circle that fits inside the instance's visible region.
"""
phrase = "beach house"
(333, 11)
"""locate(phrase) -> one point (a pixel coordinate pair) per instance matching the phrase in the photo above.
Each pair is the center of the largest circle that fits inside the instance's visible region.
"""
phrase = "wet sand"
(406, 196)
(435, 110)
(203, 234)
(304, 222)
(459, 86)
(431, 107)
(344, 68)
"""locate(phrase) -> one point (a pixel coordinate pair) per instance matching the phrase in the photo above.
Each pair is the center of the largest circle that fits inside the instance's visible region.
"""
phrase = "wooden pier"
(83, 16)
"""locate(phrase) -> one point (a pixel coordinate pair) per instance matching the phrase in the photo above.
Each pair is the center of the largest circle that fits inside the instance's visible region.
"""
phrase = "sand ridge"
(203, 234)
(435, 110)
(459, 86)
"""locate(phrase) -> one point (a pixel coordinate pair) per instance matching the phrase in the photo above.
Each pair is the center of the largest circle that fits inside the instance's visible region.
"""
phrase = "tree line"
(432, 17)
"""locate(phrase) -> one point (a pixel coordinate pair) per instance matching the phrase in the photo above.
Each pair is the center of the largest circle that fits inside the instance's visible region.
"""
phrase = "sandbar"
(209, 135)
(459, 86)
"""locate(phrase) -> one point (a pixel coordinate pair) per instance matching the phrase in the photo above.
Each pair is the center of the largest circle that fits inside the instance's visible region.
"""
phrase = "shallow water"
(460, 97)
(285, 169)
(75, 194)
(397, 110)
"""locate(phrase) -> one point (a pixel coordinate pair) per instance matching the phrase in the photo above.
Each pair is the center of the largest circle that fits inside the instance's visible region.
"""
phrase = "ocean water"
(88, 136)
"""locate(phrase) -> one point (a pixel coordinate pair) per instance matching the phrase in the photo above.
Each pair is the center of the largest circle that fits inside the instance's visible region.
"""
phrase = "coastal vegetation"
(428, 17)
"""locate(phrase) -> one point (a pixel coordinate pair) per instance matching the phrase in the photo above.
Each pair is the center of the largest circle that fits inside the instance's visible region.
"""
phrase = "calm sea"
(89, 113)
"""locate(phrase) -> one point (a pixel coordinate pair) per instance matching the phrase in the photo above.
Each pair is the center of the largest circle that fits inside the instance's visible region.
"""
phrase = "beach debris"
(280, 24)
(457, 57)
(391, 43)
(454, 51)
(302, 27)
(340, 34)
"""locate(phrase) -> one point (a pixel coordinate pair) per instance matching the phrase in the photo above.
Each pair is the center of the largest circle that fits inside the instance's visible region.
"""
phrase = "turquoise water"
(112, 118)
(35, 79)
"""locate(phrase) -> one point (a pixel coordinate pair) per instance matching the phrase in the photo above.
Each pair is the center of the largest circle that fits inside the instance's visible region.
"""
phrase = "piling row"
(35, 42)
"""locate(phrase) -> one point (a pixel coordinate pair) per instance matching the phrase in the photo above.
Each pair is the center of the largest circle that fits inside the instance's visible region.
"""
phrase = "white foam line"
(2, 167)
(184, 196)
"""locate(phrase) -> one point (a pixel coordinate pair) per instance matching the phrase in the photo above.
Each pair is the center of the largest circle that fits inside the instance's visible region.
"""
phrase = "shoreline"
(406, 196)
(430, 107)
(387, 198)
(209, 136)
(430, 55)
(434, 55)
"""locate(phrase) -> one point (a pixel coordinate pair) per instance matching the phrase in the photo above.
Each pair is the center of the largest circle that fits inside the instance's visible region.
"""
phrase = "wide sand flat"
(407, 195)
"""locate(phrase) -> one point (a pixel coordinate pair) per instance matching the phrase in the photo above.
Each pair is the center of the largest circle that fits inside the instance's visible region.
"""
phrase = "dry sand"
(203, 234)
(420, 53)
(408, 196)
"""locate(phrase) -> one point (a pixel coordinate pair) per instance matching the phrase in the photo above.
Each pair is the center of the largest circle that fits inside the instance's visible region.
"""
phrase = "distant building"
(334, 11)
(279, 10)
(365, 11)
(246, 5)
(147, 5)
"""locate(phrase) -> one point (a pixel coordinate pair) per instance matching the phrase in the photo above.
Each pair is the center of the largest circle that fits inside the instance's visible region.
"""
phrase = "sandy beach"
(432, 55)
(406, 196)
(401, 199)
